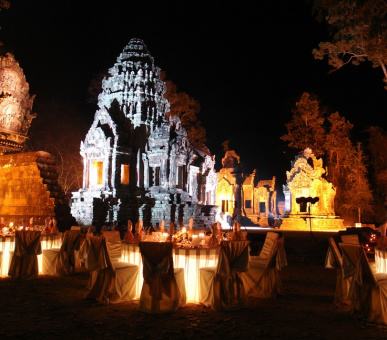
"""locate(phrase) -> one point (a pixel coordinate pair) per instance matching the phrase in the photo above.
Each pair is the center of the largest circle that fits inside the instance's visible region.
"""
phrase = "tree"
(4, 4)
(187, 109)
(337, 143)
(359, 32)
(358, 197)
(331, 137)
(60, 133)
(306, 129)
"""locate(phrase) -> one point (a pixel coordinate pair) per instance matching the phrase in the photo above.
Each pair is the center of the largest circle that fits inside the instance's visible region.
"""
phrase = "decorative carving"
(305, 179)
(15, 105)
(130, 127)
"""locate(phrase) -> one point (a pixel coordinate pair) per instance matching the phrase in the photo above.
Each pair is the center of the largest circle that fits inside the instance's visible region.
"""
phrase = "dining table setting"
(191, 251)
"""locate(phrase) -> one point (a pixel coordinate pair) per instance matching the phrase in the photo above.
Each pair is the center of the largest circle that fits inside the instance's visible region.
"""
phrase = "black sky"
(246, 63)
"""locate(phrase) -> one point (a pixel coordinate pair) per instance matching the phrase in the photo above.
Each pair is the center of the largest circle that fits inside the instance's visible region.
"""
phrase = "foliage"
(358, 196)
(60, 134)
(337, 143)
(378, 159)
(330, 135)
(187, 108)
(306, 130)
(359, 32)
(4, 4)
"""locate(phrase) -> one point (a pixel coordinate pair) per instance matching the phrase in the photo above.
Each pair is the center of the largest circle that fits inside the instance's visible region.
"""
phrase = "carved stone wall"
(237, 196)
(29, 188)
(305, 180)
(138, 163)
(15, 105)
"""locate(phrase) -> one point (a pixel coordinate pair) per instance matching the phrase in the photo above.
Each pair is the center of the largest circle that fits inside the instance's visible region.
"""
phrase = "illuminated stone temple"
(309, 197)
(238, 198)
(28, 180)
(139, 164)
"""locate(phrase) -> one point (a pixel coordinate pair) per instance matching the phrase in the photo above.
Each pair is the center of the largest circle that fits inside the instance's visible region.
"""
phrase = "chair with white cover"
(114, 244)
(351, 239)
(334, 260)
(263, 281)
(221, 287)
(368, 291)
(163, 290)
(61, 261)
(263, 257)
(24, 263)
(114, 282)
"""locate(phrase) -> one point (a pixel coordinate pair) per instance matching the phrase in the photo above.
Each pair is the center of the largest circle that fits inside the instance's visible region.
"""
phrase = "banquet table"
(191, 259)
(7, 245)
(380, 260)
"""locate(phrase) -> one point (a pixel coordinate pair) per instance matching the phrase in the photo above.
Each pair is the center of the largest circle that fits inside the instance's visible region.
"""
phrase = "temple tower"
(138, 163)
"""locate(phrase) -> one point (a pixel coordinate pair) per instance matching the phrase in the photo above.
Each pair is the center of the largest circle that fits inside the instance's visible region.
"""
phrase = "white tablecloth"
(380, 260)
(191, 259)
(7, 244)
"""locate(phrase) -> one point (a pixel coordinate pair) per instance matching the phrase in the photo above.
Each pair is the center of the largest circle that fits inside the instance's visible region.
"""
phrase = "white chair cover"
(334, 260)
(24, 264)
(264, 281)
(267, 248)
(163, 290)
(113, 241)
(368, 291)
(114, 282)
(351, 239)
(61, 261)
(84, 250)
(237, 234)
(222, 287)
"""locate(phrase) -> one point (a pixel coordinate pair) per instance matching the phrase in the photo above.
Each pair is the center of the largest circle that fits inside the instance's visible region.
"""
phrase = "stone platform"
(314, 223)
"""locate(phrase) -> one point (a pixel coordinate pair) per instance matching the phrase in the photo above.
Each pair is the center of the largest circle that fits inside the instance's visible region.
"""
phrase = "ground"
(55, 307)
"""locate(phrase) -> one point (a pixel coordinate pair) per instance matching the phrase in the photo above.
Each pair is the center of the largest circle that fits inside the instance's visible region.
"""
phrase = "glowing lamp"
(358, 225)
(183, 230)
(201, 235)
(21, 228)
(195, 236)
(11, 224)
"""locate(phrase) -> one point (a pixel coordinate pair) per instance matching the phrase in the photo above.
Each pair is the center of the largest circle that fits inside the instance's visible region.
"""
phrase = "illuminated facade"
(305, 182)
(15, 105)
(238, 197)
(138, 163)
(28, 180)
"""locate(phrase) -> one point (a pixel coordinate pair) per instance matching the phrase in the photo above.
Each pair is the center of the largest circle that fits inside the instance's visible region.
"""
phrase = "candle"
(201, 235)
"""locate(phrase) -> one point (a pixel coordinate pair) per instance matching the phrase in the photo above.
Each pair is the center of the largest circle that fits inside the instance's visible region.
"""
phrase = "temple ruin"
(28, 180)
(139, 164)
(15, 106)
(238, 198)
(309, 197)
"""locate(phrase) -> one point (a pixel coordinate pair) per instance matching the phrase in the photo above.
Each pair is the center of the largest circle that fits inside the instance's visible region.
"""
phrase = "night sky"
(246, 63)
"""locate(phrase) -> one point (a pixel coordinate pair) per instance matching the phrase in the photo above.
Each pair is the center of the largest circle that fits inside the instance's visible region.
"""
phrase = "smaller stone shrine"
(309, 197)
(238, 198)
(15, 105)
(28, 180)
